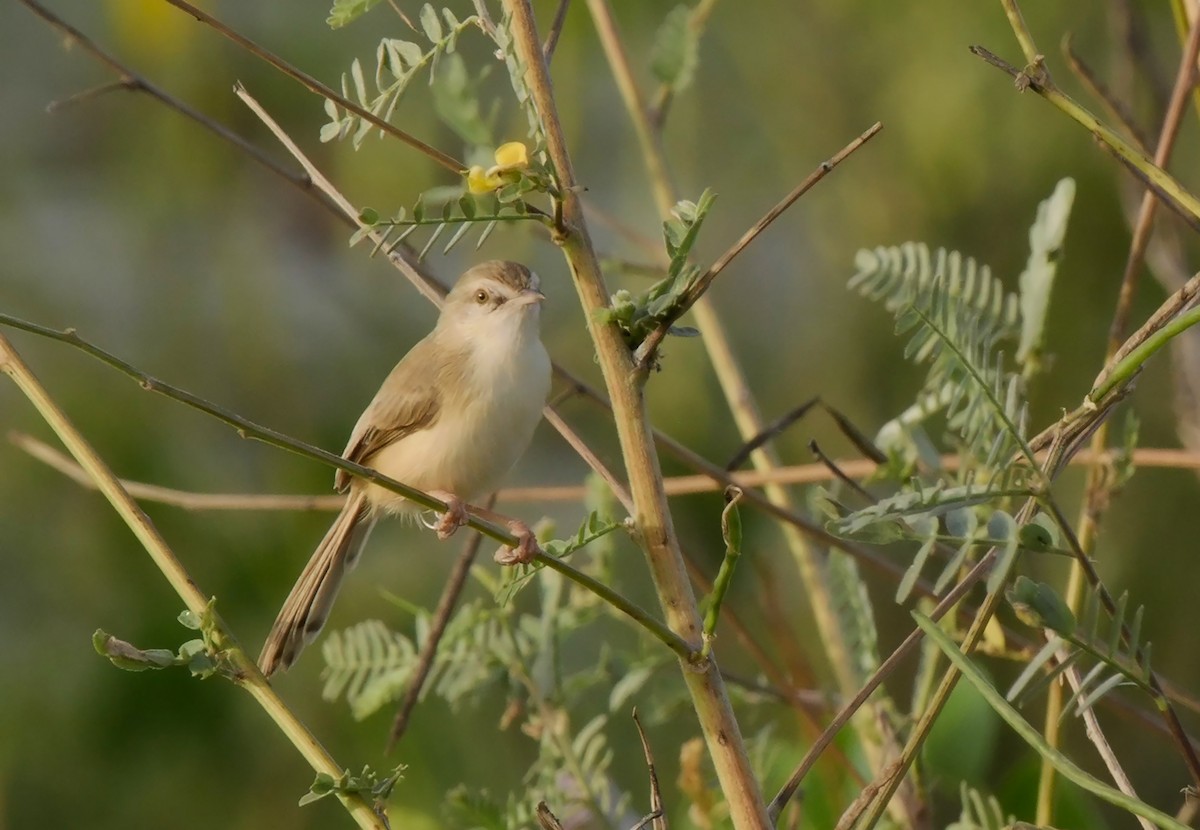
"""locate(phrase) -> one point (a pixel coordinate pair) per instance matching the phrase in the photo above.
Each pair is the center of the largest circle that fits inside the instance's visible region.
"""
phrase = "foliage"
(397, 64)
(1061, 763)
(640, 314)
(368, 783)
(203, 657)
(1111, 642)
(980, 813)
(957, 315)
(543, 644)
(676, 50)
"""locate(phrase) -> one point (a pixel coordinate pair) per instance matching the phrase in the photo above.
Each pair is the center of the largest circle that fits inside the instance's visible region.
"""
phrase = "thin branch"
(560, 17)
(313, 85)
(248, 675)
(1175, 314)
(130, 80)
(955, 595)
(1096, 735)
(1161, 195)
(1088, 569)
(1184, 82)
(704, 281)
(656, 804)
(252, 431)
(1016, 21)
(441, 618)
(1116, 109)
(1040, 85)
(60, 104)
(855, 468)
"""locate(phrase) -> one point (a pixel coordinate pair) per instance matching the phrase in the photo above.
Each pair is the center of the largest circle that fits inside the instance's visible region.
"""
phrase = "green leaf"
(1036, 281)
(409, 52)
(346, 11)
(456, 97)
(430, 23)
(331, 131)
(368, 216)
(629, 685)
(129, 658)
(1036, 537)
(1039, 606)
(674, 56)
(360, 83)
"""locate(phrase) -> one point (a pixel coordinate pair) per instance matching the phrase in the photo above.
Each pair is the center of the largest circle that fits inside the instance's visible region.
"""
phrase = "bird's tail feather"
(307, 607)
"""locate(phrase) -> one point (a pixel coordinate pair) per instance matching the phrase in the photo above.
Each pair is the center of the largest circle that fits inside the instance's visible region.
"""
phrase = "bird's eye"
(481, 296)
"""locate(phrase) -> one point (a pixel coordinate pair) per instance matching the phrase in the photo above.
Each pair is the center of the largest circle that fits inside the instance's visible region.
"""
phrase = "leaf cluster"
(203, 656)
(1110, 642)
(397, 63)
(367, 783)
(638, 315)
(458, 210)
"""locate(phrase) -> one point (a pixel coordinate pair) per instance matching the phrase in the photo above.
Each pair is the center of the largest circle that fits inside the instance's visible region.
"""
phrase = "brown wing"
(410, 399)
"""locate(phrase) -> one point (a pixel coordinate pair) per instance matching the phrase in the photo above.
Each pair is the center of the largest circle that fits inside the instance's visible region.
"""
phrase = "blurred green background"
(174, 250)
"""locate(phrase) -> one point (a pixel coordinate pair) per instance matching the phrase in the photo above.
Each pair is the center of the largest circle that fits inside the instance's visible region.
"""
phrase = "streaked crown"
(510, 277)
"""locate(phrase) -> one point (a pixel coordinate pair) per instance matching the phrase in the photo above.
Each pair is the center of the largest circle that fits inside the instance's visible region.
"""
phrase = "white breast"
(477, 436)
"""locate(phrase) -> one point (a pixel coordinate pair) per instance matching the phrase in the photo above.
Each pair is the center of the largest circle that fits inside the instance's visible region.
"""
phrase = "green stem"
(1156, 175)
(639, 615)
(1132, 363)
(249, 677)
(1022, 727)
(731, 530)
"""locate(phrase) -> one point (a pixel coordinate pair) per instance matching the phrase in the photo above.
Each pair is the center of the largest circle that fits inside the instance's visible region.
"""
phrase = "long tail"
(307, 607)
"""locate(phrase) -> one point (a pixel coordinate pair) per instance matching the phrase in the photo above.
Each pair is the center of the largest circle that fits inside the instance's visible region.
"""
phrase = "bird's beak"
(529, 296)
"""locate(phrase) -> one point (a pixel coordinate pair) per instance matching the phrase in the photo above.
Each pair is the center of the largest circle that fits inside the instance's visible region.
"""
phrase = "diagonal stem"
(248, 429)
(249, 677)
(313, 85)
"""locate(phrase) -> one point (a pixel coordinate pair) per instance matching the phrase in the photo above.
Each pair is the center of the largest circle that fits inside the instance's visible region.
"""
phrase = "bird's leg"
(527, 545)
(454, 517)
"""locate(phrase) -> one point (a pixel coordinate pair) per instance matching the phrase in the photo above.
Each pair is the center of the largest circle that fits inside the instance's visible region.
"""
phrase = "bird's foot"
(454, 517)
(527, 545)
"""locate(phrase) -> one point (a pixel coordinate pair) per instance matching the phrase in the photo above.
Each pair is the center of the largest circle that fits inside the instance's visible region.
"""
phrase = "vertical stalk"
(739, 396)
(732, 379)
(652, 517)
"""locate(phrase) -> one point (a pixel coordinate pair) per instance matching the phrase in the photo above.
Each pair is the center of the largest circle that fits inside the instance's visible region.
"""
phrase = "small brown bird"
(451, 419)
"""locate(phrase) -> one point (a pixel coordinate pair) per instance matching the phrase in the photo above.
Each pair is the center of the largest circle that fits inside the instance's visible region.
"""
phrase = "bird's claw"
(454, 517)
(527, 547)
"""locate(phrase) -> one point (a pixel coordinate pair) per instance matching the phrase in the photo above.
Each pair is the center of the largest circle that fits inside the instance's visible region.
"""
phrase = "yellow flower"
(510, 157)
(479, 182)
